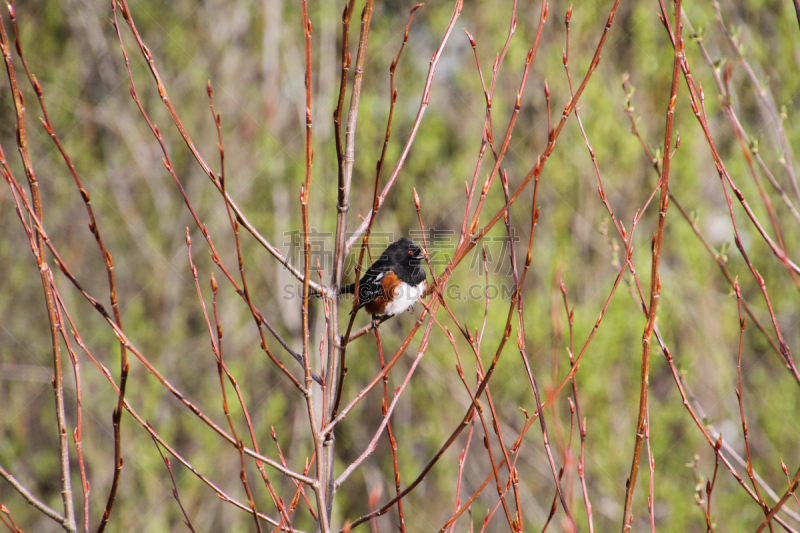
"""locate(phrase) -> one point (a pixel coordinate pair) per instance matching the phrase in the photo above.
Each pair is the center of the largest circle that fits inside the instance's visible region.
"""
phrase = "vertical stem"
(109, 264)
(655, 280)
(323, 506)
(46, 275)
(342, 208)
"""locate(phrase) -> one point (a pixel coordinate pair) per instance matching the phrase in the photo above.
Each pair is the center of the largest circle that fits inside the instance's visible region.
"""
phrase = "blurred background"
(252, 53)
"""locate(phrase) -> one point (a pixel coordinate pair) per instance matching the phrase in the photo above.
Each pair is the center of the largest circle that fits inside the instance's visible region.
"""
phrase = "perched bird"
(393, 283)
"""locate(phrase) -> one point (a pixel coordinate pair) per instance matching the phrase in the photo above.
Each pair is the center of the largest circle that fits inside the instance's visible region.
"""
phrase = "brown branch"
(783, 500)
(167, 163)
(46, 278)
(31, 499)
(107, 260)
(345, 245)
(334, 365)
(696, 99)
(696, 415)
(687, 404)
(365, 242)
(221, 494)
(163, 94)
(766, 99)
(175, 490)
(750, 148)
(655, 280)
(216, 347)
(10, 523)
(324, 496)
(244, 292)
(651, 463)
(719, 258)
(557, 391)
(521, 340)
(462, 458)
(337, 113)
(710, 487)
(739, 393)
(707, 433)
(469, 244)
(389, 432)
(299, 491)
(77, 435)
(789, 481)
(478, 410)
(23, 206)
(581, 422)
(397, 393)
(425, 100)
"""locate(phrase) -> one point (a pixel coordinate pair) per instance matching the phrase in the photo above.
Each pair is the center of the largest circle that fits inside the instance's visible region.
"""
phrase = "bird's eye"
(411, 252)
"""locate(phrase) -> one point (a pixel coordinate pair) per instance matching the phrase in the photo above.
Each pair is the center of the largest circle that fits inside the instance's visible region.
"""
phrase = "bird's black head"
(409, 255)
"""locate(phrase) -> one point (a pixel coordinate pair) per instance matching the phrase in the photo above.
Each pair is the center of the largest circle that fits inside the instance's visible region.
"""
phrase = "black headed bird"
(393, 283)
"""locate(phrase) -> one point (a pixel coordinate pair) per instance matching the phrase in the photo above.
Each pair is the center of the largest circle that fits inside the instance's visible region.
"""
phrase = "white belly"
(406, 296)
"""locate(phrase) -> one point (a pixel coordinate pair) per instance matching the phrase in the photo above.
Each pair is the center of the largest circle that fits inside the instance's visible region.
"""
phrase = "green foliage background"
(252, 54)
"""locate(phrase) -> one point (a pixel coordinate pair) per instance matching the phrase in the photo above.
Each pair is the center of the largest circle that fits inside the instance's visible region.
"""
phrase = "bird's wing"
(370, 286)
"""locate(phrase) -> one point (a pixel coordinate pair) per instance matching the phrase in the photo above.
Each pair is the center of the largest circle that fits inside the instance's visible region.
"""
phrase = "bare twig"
(426, 96)
(790, 492)
(365, 242)
(175, 490)
(78, 433)
(718, 257)
(216, 347)
(171, 170)
(324, 496)
(46, 278)
(581, 421)
(389, 433)
(766, 98)
(31, 499)
(109, 265)
(8, 521)
(163, 94)
(334, 364)
(739, 393)
(468, 244)
(655, 280)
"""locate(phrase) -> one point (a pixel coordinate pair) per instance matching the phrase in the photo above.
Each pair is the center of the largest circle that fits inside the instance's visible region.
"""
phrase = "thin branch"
(216, 347)
(655, 279)
(425, 100)
(78, 433)
(175, 490)
(163, 94)
(581, 422)
(10, 523)
(375, 205)
(390, 434)
(324, 496)
(719, 258)
(31, 499)
(739, 393)
(783, 500)
(171, 170)
(46, 278)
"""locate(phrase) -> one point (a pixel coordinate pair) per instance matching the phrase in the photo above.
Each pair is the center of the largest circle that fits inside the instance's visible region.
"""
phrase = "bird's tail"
(350, 289)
